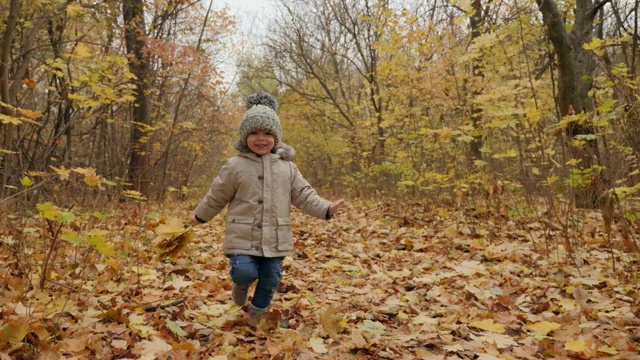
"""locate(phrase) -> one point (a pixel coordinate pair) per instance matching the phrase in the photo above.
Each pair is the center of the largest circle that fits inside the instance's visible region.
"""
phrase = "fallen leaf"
(543, 327)
(453, 348)
(487, 357)
(119, 344)
(330, 321)
(74, 345)
(575, 345)
(317, 345)
(14, 331)
(373, 327)
(175, 328)
(488, 325)
(470, 268)
(358, 340)
(608, 350)
(150, 348)
(501, 341)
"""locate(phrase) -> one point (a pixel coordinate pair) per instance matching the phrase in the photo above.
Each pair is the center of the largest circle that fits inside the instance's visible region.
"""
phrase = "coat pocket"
(285, 234)
(238, 232)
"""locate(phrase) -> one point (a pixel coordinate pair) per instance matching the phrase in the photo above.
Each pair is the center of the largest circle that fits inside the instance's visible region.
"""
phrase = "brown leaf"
(75, 345)
(30, 83)
(169, 245)
(330, 321)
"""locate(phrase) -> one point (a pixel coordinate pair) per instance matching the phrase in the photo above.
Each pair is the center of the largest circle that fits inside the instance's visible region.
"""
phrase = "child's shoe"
(254, 311)
(239, 294)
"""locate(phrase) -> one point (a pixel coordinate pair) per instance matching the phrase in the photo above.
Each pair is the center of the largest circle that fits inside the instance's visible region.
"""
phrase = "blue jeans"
(245, 269)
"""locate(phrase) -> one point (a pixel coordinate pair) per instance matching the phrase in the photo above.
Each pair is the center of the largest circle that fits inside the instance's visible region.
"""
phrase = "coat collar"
(282, 151)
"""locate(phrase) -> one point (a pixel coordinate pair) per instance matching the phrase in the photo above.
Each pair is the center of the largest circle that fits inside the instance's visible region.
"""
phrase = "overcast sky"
(252, 17)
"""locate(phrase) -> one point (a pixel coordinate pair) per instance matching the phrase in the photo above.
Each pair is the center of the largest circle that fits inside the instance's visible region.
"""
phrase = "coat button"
(260, 201)
(259, 226)
(260, 177)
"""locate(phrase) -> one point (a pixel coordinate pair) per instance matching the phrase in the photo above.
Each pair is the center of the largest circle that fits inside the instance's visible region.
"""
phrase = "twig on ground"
(156, 307)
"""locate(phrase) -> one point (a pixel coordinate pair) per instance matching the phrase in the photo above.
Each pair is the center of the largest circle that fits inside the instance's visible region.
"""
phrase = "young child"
(259, 185)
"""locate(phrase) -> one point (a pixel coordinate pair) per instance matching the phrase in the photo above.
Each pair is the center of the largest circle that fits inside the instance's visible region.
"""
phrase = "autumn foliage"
(488, 152)
(375, 282)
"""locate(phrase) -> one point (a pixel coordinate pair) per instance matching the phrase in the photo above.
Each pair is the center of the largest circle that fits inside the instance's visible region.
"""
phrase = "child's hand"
(194, 221)
(335, 206)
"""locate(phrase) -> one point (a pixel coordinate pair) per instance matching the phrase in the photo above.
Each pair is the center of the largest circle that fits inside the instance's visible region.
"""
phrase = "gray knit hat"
(260, 115)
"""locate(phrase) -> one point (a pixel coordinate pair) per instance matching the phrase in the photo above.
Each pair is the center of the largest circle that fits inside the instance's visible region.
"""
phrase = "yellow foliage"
(90, 177)
(48, 210)
(445, 134)
(83, 50)
(64, 173)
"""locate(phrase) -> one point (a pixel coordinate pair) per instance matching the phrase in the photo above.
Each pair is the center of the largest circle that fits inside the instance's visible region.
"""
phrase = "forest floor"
(375, 282)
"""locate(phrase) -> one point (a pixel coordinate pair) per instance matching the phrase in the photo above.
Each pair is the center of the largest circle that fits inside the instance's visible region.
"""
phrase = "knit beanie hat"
(260, 115)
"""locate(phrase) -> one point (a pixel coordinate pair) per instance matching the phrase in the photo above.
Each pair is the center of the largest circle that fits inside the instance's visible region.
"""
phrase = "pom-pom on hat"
(260, 115)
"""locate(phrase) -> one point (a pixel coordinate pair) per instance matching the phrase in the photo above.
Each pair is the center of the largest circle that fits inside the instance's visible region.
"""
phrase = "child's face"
(261, 142)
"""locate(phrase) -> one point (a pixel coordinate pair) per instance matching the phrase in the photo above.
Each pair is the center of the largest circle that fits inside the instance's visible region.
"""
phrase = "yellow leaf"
(450, 231)
(48, 210)
(188, 125)
(71, 236)
(14, 331)
(543, 327)
(608, 350)
(133, 194)
(113, 263)
(83, 51)
(575, 345)
(488, 325)
(169, 246)
(172, 227)
(26, 182)
(445, 134)
(64, 173)
(7, 119)
(480, 163)
(96, 239)
(74, 10)
(30, 113)
(551, 180)
(90, 177)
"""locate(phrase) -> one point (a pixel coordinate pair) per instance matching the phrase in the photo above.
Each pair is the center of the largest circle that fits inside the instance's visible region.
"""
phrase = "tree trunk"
(476, 113)
(575, 70)
(133, 15)
(5, 97)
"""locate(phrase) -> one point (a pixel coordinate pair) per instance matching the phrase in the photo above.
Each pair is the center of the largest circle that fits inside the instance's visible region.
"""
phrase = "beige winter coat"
(260, 191)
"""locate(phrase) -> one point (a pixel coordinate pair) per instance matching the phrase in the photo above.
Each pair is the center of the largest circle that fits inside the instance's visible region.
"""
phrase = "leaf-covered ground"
(373, 283)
